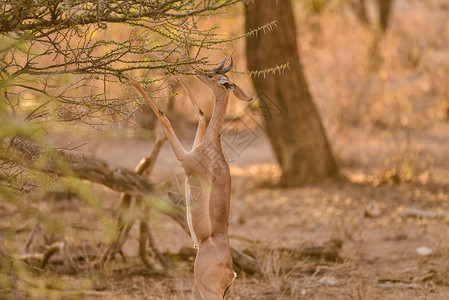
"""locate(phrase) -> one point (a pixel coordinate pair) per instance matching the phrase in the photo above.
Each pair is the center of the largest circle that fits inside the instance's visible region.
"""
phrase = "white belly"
(189, 214)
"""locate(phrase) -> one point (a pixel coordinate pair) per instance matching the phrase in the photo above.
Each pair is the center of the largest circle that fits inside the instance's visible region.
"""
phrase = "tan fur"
(209, 184)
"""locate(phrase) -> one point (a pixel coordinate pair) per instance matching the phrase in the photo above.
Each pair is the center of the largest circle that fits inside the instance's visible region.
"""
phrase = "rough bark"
(85, 166)
(293, 124)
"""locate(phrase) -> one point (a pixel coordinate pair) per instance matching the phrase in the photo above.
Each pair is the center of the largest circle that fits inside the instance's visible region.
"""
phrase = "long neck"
(216, 122)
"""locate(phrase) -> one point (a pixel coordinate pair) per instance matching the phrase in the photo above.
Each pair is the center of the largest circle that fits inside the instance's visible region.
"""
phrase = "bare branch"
(94, 169)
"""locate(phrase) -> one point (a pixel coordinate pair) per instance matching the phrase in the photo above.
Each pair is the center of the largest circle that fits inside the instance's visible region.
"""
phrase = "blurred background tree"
(384, 8)
(295, 130)
(377, 24)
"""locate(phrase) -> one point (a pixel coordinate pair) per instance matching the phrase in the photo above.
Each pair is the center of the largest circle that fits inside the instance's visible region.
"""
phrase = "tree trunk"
(295, 130)
(384, 13)
(359, 7)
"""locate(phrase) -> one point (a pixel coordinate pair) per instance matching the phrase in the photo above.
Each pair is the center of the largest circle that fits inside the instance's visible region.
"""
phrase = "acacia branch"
(86, 13)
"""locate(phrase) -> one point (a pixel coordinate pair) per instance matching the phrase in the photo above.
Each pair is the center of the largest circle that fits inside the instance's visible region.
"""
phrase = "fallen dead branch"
(329, 251)
(84, 166)
(399, 284)
(419, 213)
(44, 257)
(94, 169)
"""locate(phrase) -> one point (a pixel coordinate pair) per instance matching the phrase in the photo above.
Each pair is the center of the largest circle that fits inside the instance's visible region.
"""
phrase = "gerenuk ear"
(226, 84)
(239, 93)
